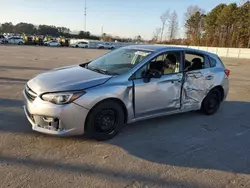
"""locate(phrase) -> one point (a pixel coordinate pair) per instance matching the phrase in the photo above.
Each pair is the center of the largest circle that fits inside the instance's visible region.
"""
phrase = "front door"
(162, 94)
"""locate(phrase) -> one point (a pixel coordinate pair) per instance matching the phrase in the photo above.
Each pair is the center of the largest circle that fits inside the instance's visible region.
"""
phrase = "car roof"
(159, 48)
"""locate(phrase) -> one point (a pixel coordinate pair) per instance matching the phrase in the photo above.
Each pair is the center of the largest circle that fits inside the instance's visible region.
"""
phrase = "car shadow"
(12, 118)
(218, 142)
(101, 172)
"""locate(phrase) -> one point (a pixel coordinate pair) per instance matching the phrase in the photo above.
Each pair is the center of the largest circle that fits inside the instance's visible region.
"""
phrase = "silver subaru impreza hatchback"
(123, 86)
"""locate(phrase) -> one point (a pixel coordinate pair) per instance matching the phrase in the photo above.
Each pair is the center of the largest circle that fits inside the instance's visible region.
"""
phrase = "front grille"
(31, 95)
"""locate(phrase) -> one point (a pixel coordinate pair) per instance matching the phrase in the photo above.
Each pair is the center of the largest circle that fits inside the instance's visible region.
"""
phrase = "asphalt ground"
(185, 150)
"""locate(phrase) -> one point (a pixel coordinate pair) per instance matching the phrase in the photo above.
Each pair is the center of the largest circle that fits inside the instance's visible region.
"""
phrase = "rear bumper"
(70, 118)
(225, 88)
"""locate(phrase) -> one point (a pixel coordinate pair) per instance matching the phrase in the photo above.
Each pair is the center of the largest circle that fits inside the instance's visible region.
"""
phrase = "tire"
(20, 43)
(212, 102)
(112, 48)
(109, 111)
(77, 46)
(86, 46)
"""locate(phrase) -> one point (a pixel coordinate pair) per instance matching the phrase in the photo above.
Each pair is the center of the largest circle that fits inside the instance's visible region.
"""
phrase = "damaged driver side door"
(158, 94)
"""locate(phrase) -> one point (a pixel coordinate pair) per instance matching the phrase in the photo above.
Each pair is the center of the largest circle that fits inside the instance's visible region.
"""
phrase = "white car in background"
(15, 40)
(106, 45)
(80, 45)
(52, 43)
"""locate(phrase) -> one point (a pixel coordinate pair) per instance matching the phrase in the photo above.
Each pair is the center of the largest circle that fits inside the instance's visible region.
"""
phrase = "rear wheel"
(20, 43)
(105, 120)
(212, 101)
(77, 46)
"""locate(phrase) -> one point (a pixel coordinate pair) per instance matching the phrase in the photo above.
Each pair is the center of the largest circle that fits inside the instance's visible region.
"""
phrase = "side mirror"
(153, 73)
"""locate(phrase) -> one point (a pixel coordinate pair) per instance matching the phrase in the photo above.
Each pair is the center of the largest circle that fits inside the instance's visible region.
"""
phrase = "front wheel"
(211, 103)
(105, 120)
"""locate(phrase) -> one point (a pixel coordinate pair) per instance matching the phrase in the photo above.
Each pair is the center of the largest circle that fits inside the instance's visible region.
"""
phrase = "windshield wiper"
(100, 70)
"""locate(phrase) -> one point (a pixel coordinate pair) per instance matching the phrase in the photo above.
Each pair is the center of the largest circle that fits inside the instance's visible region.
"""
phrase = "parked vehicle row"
(54, 43)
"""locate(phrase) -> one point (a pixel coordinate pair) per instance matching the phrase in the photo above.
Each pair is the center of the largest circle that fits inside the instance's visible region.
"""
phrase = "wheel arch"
(218, 87)
(110, 99)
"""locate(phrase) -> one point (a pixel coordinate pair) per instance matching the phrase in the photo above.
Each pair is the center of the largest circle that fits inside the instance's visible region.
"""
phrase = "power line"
(85, 15)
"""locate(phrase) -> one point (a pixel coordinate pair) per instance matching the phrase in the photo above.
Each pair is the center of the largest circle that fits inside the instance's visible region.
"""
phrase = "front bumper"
(70, 118)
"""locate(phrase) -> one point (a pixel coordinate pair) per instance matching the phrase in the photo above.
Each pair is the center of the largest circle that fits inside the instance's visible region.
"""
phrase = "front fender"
(122, 92)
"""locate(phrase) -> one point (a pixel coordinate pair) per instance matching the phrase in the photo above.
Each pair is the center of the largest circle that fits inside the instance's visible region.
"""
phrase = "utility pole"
(85, 15)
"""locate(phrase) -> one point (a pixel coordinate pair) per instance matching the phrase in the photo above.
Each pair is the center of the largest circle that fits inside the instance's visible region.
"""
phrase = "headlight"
(62, 98)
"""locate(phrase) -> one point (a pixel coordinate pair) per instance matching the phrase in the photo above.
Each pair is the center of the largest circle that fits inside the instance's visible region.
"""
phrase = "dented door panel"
(158, 95)
(196, 86)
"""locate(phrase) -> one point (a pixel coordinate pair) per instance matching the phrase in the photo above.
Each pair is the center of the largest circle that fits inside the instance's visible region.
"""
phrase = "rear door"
(159, 95)
(199, 79)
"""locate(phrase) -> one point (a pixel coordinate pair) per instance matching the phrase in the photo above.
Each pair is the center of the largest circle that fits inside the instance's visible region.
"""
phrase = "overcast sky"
(126, 18)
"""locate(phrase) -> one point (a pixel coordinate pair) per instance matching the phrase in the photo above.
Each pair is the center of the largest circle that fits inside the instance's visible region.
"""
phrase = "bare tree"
(157, 33)
(164, 18)
(173, 25)
(191, 10)
(193, 13)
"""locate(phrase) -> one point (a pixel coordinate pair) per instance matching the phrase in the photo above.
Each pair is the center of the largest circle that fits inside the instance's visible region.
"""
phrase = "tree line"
(226, 25)
(30, 29)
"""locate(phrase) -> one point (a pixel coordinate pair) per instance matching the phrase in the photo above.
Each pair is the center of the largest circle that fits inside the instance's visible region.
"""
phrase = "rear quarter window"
(213, 62)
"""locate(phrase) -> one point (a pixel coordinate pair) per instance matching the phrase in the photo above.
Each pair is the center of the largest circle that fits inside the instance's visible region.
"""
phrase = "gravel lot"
(187, 150)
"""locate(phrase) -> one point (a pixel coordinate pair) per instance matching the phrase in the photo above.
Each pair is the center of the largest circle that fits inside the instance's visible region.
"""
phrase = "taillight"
(227, 72)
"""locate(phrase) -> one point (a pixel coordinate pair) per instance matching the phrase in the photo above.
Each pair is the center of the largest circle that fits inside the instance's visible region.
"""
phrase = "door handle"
(175, 80)
(210, 77)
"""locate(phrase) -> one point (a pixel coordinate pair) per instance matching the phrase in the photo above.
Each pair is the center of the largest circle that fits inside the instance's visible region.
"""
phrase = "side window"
(212, 62)
(166, 63)
(195, 61)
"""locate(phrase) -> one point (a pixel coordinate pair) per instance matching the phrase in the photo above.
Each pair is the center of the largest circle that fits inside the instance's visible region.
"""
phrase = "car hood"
(66, 79)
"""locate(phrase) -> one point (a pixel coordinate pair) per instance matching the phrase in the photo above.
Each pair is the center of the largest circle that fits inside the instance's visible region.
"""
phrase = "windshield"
(118, 61)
